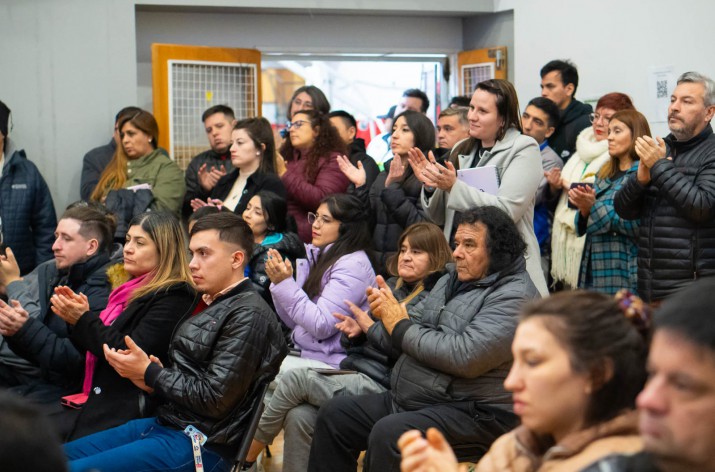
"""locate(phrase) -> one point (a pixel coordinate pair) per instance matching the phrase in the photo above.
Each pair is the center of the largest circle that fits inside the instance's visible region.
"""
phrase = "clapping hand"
(130, 363)
(354, 326)
(68, 305)
(430, 172)
(397, 170)
(12, 317)
(208, 178)
(385, 306)
(583, 197)
(276, 268)
(430, 454)
(356, 175)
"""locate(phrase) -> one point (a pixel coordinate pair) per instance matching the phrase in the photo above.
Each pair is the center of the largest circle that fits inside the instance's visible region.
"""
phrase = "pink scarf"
(115, 306)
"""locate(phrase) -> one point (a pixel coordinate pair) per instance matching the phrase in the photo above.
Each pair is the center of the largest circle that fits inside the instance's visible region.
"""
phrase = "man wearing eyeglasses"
(559, 81)
(673, 194)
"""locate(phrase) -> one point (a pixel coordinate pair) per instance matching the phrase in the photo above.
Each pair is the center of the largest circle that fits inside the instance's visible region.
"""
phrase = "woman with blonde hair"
(140, 176)
(153, 295)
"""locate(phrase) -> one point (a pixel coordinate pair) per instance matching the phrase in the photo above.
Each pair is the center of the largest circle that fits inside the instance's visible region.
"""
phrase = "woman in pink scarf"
(146, 307)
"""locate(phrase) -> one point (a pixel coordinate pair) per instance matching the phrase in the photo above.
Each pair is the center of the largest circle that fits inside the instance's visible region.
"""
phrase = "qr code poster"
(661, 83)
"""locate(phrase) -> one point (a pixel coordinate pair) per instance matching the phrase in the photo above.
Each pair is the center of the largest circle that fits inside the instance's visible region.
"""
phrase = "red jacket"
(305, 196)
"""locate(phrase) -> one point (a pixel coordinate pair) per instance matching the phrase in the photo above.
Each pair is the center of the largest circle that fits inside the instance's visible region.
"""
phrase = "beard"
(680, 129)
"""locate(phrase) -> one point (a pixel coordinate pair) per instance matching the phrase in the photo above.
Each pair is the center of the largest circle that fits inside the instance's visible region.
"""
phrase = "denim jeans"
(140, 445)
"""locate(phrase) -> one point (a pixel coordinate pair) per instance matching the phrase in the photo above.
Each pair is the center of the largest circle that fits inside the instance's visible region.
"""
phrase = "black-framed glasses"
(318, 221)
(296, 124)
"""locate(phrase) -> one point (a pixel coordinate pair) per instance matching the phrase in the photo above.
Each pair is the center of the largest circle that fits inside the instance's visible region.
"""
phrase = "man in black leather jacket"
(219, 359)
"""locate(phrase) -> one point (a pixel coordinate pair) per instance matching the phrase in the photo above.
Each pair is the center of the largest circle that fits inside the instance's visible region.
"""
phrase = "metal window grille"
(195, 86)
(472, 74)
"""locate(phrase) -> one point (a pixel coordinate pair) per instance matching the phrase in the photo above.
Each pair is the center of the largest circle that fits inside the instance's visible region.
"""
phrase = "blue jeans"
(142, 446)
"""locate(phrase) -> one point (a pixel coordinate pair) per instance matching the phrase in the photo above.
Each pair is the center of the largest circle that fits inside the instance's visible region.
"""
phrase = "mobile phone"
(578, 184)
(74, 401)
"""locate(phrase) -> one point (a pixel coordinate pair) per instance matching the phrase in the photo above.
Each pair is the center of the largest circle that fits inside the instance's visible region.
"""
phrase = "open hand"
(277, 269)
(430, 454)
(208, 178)
(68, 305)
(356, 175)
(12, 317)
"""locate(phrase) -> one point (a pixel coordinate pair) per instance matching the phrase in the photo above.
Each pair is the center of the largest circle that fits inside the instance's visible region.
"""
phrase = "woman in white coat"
(495, 140)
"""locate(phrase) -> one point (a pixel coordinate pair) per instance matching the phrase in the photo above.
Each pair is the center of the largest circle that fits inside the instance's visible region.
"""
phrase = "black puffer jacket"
(394, 208)
(365, 356)
(676, 242)
(219, 358)
(26, 209)
(288, 245)
(114, 400)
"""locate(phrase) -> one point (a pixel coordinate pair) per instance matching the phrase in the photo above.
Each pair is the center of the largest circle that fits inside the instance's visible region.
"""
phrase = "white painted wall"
(613, 43)
(67, 66)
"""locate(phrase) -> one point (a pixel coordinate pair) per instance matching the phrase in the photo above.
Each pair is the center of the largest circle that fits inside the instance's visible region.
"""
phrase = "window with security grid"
(472, 74)
(195, 86)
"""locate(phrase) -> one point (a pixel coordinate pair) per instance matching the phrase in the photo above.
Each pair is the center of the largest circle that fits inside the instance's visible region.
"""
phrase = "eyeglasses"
(594, 117)
(318, 221)
(296, 124)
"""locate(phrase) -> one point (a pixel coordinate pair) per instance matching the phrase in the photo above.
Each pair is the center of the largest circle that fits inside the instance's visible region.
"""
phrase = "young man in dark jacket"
(455, 352)
(219, 359)
(206, 168)
(37, 358)
(559, 81)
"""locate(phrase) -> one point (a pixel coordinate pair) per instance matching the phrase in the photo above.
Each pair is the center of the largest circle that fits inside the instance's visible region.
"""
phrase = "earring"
(258, 154)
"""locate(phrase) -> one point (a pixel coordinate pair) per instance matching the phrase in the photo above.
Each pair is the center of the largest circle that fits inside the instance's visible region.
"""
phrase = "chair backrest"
(252, 426)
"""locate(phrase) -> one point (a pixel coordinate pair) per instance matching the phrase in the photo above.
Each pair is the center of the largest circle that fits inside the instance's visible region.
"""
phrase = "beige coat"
(523, 451)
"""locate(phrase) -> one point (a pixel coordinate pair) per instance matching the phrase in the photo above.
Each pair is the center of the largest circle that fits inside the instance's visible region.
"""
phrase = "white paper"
(134, 188)
(661, 83)
(484, 178)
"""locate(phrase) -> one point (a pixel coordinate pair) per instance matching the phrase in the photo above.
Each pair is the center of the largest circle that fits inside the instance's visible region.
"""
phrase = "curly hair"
(504, 242)
(328, 141)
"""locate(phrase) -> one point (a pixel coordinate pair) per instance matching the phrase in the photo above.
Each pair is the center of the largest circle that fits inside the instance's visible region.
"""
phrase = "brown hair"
(327, 141)
(426, 237)
(115, 175)
(615, 101)
(638, 124)
(260, 131)
(507, 109)
(600, 340)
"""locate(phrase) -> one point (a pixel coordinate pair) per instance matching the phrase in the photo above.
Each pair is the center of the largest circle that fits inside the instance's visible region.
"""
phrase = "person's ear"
(549, 131)
(92, 247)
(570, 89)
(237, 259)
(352, 132)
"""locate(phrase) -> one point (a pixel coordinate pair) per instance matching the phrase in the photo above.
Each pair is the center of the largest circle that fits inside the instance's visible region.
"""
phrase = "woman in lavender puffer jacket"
(337, 269)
